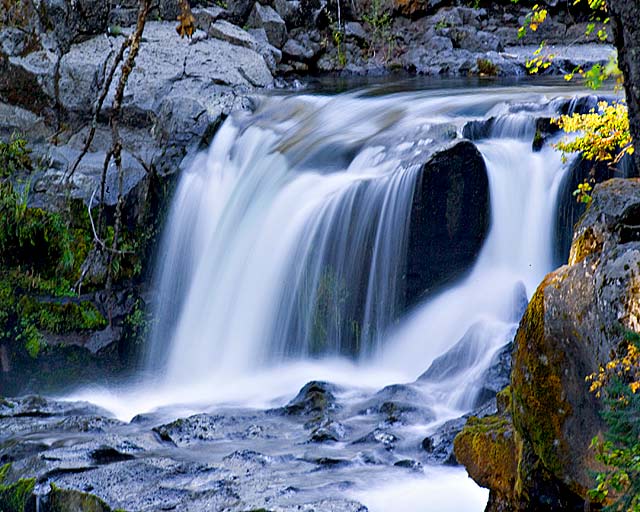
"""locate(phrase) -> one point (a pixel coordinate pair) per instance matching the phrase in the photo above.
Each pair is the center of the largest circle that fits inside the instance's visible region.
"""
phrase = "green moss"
(538, 408)
(60, 318)
(503, 399)
(487, 448)
(14, 497)
(63, 500)
(583, 246)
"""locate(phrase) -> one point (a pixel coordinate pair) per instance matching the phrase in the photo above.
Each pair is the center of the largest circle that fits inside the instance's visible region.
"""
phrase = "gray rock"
(239, 10)
(290, 11)
(230, 33)
(355, 30)
(205, 16)
(263, 16)
(271, 55)
(28, 81)
(301, 47)
(468, 38)
(166, 66)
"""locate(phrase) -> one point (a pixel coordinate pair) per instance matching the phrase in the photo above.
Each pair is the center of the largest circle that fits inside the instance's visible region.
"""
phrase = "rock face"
(449, 218)
(573, 322)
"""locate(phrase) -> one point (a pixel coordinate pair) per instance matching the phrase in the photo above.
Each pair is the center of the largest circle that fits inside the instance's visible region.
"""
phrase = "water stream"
(284, 260)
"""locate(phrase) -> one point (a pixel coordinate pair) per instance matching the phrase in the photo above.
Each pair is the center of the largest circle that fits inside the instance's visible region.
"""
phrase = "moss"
(487, 448)
(15, 497)
(63, 500)
(14, 156)
(538, 408)
(61, 318)
(584, 245)
(503, 399)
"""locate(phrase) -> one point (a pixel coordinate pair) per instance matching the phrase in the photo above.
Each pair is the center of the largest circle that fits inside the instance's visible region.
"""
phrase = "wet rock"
(263, 16)
(439, 445)
(411, 464)
(328, 431)
(497, 376)
(315, 400)
(465, 354)
(189, 431)
(380, 436)
(449, 218)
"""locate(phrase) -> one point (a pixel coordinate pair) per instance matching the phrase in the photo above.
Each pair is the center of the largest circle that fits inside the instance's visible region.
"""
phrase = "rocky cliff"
(535, 454)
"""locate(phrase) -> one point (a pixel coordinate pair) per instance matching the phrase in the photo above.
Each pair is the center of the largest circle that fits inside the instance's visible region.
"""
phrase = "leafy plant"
(14, 156)
(539, 61)
(618, 385)
(486, 67)
(533, 20)
(380, 21)
(337, 34)
(604, 134)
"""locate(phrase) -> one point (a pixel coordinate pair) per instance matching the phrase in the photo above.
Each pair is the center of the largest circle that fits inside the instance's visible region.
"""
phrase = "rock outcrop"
(449, 218)
(575, 319)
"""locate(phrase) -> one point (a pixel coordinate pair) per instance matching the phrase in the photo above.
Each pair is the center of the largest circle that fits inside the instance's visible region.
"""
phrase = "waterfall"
(285, 260)
(287, 240)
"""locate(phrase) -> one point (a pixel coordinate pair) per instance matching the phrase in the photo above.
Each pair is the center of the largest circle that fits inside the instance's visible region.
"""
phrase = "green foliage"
(40, 254)
(618, 385)
(14, 497)
(379, 20)
(539, 61)
(14, 156)
(533, 20)
(486, 67)
(583, 192)
(604, 135)
(597, 74)
(337, 34)
(595, 77)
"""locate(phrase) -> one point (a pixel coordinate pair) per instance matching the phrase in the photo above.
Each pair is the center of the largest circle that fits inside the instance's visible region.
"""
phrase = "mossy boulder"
(487, 447)
(575, 319)
(69, 500)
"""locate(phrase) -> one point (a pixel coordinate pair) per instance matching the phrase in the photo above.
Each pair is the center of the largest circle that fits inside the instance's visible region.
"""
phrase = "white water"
(294, 224)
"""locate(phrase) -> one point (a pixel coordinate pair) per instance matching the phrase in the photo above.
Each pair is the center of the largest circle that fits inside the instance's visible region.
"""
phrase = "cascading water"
(288, 239)
(286, 250)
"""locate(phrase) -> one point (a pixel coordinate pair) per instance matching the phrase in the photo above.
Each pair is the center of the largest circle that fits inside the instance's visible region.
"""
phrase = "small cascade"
(288, 239)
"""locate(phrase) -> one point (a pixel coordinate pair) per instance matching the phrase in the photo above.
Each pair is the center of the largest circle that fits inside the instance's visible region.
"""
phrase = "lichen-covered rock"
(488, 448)
(574, 320)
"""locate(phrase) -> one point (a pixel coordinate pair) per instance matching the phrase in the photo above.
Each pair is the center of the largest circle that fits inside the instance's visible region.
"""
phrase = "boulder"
(263, 16)
(449, 218)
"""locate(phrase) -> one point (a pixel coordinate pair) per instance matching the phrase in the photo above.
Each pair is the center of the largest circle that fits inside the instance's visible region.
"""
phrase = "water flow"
(284, 242)
(483, 310)
(287, 240)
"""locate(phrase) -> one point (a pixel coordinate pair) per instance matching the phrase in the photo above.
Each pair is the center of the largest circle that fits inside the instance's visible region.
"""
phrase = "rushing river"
(284, 261)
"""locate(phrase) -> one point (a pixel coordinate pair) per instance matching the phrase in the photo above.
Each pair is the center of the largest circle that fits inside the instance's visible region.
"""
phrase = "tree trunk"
(625, 17)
